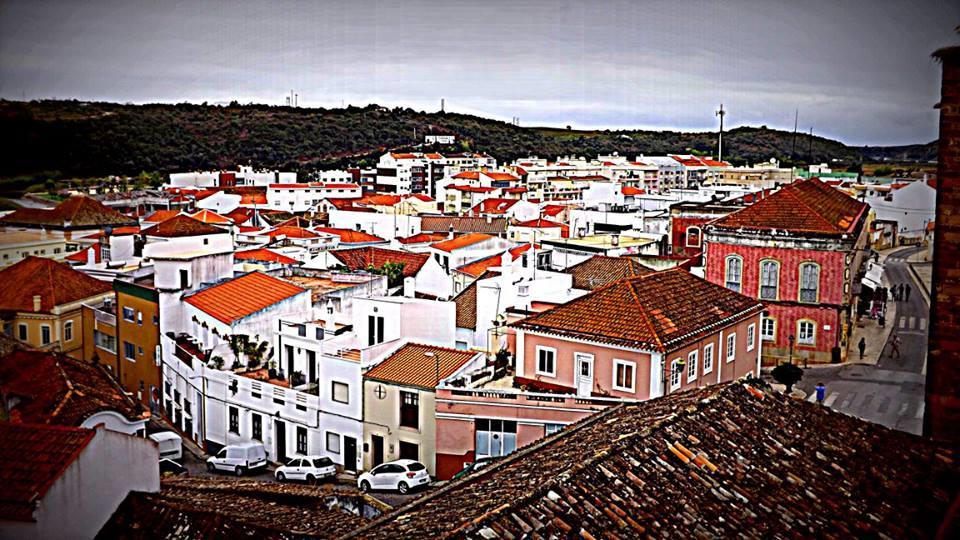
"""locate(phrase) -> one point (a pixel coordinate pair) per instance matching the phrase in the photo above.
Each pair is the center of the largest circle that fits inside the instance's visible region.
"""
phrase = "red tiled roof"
(160, 216)
(600, 270)
(468, 175)
(240, 214)
(242, 296)
(473, 189)
(714, 163)
(416, 365)
(661, 311)
(515, 190)
(443, 224)
(208, 216)
(478, 267)
(253, 198)
(630, 190)
(55, 282)
(291, 232)
(501, 176)
(552, 210)
(179, 226)
(689, 161)
(263, 255)
(422, 238)
(403, 156)
(82, 255)
(32, 458)
(494, 205)
(365, 257)
(540, 223)
(807, 206)
(461, 241)
(75, 212)
(349, 236)
(289, 186)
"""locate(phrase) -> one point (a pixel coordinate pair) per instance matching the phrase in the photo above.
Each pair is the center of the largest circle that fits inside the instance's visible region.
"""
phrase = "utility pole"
(721, 113)
(793, 147)
(810, 147)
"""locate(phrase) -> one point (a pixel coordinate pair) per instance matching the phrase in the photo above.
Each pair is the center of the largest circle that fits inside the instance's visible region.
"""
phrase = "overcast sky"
(857, 70)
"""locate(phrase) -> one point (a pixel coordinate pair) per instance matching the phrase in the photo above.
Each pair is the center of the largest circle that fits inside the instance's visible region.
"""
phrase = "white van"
(239, 458)
(169, 443)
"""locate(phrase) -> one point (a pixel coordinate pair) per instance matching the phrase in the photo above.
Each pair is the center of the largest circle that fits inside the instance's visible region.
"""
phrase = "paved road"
(890, 393)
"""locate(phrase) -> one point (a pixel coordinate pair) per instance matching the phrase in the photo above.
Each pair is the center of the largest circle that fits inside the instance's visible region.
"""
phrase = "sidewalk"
(870, 329)
(922, 269)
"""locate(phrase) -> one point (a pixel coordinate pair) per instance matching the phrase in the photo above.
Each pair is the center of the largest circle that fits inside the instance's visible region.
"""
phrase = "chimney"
(328, 323)
(489, 218)
(91, 256)
(450, 233)
(505, 258)
(37, 302)
(409, 287)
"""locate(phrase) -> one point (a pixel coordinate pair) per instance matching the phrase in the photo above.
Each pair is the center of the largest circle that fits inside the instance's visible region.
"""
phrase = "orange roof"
(365, 257)
(630, 190)
(660, 311)
(182, 225)
(242, 296)
(418, 365)
(501, 176)
(253, 198)
(552, 210)
(493, 205)
(54, 282)
(461, 241)
(468, 175)
(263, 255)
(433, 156)
(208, 216)
(473, 189)
(75, 212)
(423, 238)
(348, 236)
(289, 186)
(477, 268)
(81, 256)
(335, 185)
(404, 156)
(161, 215)
(540, 223)
(291, 232)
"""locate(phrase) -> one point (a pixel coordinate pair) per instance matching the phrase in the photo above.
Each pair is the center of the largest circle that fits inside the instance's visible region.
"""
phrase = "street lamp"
(791, 340)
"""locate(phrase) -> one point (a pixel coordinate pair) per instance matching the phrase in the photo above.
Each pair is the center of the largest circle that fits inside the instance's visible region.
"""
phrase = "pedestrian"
(900, 295)
(906, 291)
(862, 346)
(895, 347)
(874, 306)
(883, 319)
(883, 294)
(821, 392)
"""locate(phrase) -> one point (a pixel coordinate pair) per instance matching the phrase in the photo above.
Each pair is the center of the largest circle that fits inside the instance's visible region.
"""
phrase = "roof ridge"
(643, 312)
(816, 212)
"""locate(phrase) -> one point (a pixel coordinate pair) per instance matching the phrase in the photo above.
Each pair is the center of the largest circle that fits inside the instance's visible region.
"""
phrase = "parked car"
(401, 475)
(310, 468)
(238, 458)
(475, 466)
(169, 444)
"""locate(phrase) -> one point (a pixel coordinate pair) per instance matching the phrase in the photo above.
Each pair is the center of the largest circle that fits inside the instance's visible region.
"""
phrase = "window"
(809, 282)
(128, 314)
(339, 392)
(731, 347)
(769, 279)
(768, 329)
(495, 437)
(256, 427)
(693, 236)
(374, 330)
(68, 331)
(302, 440)
(140, 318)
(129, 351)
(184, 279)
(546, 361)
(734, 272)
(624, 375)
(751, 336)
(409, 410)
(708, 358)
(333, 442)
(44, 334)
(409, 450)
(692, 362)
(806, 332)
(550, 429)
(22, 332)
(676, 370)
(234, 420)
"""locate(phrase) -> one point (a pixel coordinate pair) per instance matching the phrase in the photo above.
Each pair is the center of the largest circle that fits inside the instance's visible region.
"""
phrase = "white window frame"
(708, 355)
(326, 442)
(68, 331)
(675, 369)
(686, 239)
(772, 336)
(776, 285)
(751, 336)
(731, 351)
(726, 272)
(693, 364)
(536, 367)
(800, 288)
(617, 364)
(813, 332)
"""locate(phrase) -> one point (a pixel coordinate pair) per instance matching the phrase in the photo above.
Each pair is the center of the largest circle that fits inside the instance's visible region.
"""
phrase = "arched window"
(806, 332)
(809, 282)
(693, 236)
(734, 272)
(769, 279)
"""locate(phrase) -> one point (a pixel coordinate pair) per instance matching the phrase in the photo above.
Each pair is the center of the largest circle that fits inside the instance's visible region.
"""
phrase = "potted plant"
(272, 371)
(297, 378)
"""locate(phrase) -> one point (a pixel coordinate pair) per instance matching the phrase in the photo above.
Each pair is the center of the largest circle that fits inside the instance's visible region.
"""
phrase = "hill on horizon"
(60, 138)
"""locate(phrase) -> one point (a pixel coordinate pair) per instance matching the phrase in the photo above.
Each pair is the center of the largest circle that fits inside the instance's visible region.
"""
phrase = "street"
(890, 393)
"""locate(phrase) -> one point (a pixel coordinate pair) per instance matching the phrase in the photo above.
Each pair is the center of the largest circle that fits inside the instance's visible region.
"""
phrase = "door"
(349, 454)
(377, 442)
(584, 374)
(280, 430)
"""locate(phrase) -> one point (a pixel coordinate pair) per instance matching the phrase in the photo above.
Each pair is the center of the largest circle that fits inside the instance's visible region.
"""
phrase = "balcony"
(187, 349)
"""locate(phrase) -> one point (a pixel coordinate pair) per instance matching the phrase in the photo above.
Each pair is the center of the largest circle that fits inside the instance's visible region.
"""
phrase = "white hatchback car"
(310, 468)
(401, 475)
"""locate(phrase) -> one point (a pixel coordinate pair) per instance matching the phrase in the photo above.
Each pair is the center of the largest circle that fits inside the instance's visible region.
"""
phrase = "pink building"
(635, 339)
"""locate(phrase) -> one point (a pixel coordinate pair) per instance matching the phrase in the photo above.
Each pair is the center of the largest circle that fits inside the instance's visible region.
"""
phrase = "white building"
(299, 198)
(460, 250)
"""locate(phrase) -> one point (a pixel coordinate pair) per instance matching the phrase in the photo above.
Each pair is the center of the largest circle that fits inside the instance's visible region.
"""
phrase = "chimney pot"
(37, 302)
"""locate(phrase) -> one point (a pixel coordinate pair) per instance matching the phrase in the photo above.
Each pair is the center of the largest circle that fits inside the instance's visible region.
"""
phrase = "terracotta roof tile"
(365, 257)
(808, 206)
(180, 226)
(290, 231)
(209, 216)
(463, 224)
(494, 205)
(349, 236)
(242, 296)
(600, 270)
(539, 223)
(416, 365)
(478, 267)
(32, 458)
(660, 311)
(631, 191)
(723, 461)
(263, 255)
(55, 282)
(422, 238)
(461, 241)
(501, 176)
(75, 212)
(160, 216)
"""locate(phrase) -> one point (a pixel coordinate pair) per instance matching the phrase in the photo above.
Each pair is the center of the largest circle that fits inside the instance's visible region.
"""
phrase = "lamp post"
(791, 340)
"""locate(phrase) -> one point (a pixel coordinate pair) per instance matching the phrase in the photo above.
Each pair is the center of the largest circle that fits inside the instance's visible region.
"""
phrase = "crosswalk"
(912, 323)
(866, 405)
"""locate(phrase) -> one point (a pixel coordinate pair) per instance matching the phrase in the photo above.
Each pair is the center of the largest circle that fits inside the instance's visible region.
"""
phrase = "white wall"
(221, 203)
(387, 226)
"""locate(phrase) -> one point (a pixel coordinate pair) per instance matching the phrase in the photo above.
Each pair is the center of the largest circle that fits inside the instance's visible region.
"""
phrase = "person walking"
(906, 291)
(821, 392)
(900, 295)
(895, 347)
(862, 346)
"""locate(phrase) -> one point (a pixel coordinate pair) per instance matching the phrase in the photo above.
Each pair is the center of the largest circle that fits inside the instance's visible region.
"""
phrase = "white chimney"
(328, 321)
(37, 302)
(506, 259)
(409, 287)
